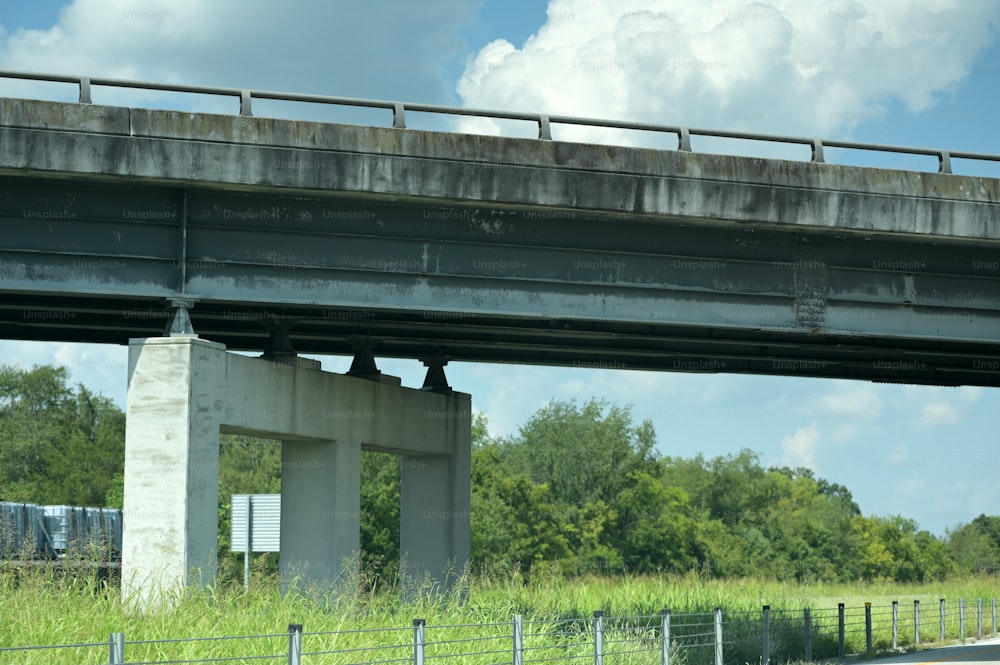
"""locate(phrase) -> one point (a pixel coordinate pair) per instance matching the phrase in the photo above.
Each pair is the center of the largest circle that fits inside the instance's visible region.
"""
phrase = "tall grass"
(51, 605)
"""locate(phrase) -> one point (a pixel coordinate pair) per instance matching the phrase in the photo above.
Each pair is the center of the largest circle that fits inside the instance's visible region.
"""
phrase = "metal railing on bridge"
(718, 637)
(543, 121)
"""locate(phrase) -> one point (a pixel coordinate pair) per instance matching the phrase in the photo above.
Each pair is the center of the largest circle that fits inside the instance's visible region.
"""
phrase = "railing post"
(961, 619)
(916, 623)
(895, 625)
(598, 637)
(841, 648)
(544, 128)
(979, 617)
(942, 613)
(295, 644)
(994, 603)
(85, 91)
(944, 162)
(665, 637)
(766, 631)
(398, 116)
(418, 641)
(116, 642)
(868, 628)
(807, 622)
(518, 639)
(718, 636)
(817, 151)
(684, 140)
(246, 104)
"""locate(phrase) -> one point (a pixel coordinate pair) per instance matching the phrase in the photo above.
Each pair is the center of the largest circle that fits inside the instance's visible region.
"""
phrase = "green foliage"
(582, 453)
(58, 445)
(578, 490)
(247, 465)
(46, 606)
(380, 497)
(976, 546)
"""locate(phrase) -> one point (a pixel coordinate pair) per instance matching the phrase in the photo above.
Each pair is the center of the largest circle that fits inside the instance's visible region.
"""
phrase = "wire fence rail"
(543, 121)
(717, 638)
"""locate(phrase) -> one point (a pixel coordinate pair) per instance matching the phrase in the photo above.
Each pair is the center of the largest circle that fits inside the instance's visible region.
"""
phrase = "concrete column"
(320, 512)
(169, 540)
(436, 494)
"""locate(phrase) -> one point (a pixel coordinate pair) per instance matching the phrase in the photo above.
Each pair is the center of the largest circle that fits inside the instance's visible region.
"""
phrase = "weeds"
(43, 605)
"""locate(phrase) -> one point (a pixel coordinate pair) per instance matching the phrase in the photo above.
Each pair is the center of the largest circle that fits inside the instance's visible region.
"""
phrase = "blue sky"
(885, 72)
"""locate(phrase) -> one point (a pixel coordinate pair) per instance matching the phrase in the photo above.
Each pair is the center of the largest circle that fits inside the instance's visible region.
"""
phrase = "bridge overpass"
(427, 244)
(126, 225)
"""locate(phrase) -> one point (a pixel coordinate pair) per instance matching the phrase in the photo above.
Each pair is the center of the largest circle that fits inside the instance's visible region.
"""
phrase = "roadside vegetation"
(576, 512)
(48, 606)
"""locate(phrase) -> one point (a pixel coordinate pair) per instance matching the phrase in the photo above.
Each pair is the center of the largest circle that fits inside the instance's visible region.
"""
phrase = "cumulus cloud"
(391, 49)
(794, 67)
(935, 406)
(102, 368)
(801, 448)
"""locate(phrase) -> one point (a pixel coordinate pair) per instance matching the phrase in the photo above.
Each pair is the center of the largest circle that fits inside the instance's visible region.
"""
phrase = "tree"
(515, 521)
(582, 453)
(975, 547)
(380, 512)
(58, 445)
(655, 529)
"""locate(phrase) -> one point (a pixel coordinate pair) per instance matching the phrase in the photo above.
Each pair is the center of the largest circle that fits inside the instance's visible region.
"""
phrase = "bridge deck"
(491, 249)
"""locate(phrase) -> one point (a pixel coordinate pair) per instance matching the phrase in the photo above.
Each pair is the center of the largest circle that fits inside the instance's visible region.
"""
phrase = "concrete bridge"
(303, 237)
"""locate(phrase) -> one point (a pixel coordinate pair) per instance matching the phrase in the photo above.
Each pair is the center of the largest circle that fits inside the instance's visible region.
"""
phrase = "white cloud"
(793, 67)
(800, 449)
(936, 406)
(392, 49)
(939, 413)
(846, 400)
(102, 368)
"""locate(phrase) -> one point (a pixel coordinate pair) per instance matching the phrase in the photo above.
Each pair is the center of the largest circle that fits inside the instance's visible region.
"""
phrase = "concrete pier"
(183, 391)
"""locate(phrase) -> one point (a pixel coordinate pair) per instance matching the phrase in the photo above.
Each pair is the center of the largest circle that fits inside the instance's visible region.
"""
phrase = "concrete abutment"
(183, 391)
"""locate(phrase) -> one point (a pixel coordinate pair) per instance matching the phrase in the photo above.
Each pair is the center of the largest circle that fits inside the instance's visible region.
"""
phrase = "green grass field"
(46, 606)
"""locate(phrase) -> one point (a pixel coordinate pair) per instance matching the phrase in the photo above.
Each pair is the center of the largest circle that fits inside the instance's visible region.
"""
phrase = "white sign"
(257, 521)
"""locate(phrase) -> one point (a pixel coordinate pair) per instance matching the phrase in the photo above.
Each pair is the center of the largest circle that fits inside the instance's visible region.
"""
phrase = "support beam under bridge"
(183, 391)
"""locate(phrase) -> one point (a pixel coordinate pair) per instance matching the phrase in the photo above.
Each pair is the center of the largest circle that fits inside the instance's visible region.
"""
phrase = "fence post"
(718, 636)
(598, 637)
(961, 619)
(868, 628)
(942, 613)
(665, 637)
(895, 625)
(766, 630)
(295, 644)
(994, 603)
(979, 617)
(916, 623)
(841, 648)
(116, 642)
(518, 639)
(418, 641)
(807, 622)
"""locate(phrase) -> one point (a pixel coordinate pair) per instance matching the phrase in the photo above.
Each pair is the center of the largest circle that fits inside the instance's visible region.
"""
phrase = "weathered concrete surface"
(320, 511)
(491, 249)
(183, 391)
(242, 152)
(171, 467)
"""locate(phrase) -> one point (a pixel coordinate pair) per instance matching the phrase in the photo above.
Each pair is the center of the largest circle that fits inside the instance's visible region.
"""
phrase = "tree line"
(580, 487)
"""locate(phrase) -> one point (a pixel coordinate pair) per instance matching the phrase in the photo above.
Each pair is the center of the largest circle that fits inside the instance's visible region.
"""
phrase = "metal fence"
(543, 121)
(712, 638)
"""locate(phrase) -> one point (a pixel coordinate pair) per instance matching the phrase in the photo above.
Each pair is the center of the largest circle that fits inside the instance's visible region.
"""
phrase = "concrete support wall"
(183, 391)
(171, 466)
(320, 510)
(434, 517)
